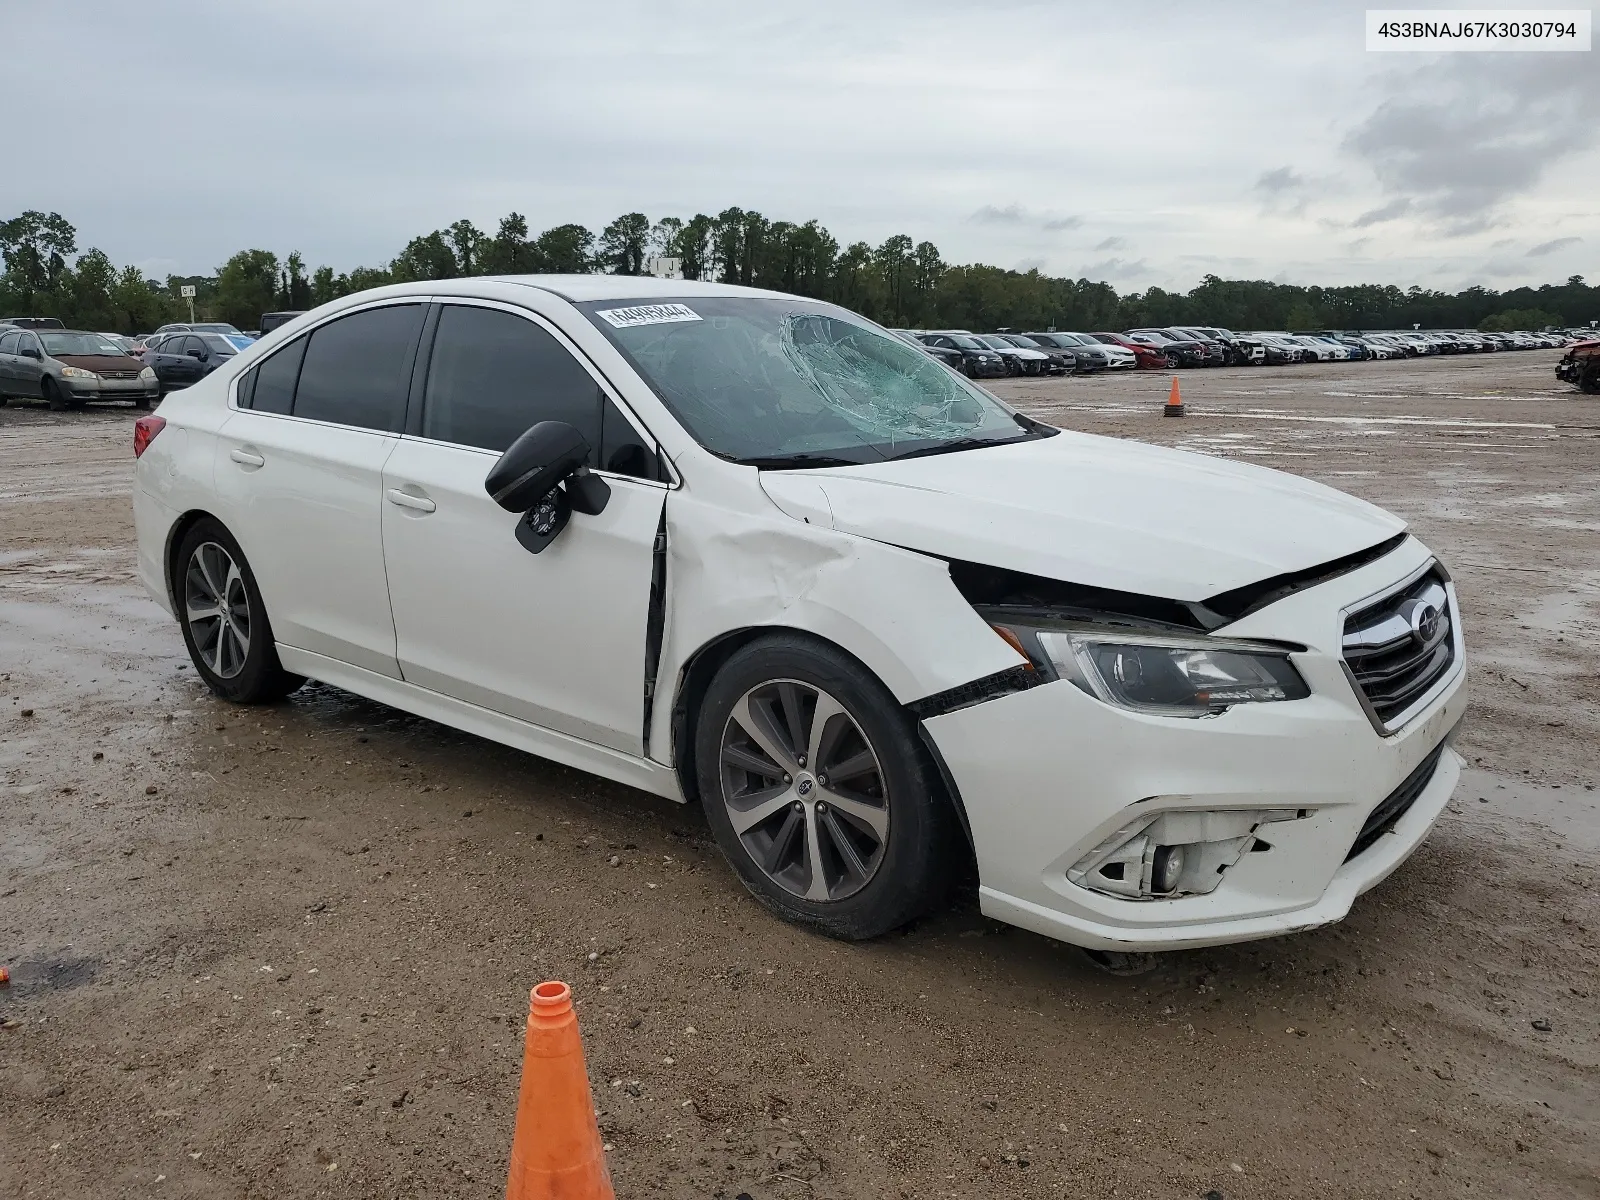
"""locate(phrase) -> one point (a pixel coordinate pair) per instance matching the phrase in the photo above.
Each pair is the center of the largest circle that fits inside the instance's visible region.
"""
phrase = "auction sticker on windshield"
(647, 314)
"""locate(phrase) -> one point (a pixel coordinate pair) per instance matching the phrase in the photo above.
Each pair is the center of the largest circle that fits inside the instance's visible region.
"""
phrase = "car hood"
(1098, 511)
(100, 362)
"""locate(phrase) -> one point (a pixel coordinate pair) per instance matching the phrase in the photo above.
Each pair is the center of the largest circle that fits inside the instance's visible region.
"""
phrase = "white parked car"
(751, 550)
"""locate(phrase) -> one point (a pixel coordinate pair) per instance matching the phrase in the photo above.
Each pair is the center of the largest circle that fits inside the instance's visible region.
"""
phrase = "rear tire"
(224, 621)
(853, 855)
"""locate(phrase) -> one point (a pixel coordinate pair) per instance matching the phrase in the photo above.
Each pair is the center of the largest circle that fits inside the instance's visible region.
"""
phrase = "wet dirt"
(286, 951)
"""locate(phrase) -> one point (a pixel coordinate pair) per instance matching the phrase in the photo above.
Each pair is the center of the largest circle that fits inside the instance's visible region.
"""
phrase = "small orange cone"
(556, 1152)
(1174, 405)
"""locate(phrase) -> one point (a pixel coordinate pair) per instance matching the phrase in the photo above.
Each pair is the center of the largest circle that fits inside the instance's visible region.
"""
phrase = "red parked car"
(1580, 366)
(1146, 358)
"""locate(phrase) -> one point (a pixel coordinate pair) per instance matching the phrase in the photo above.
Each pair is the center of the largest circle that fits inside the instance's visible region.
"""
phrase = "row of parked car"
(988, 355)
(40, 359)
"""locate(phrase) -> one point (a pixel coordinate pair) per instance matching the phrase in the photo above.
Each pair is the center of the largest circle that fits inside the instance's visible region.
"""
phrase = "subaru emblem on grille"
(1423, 618)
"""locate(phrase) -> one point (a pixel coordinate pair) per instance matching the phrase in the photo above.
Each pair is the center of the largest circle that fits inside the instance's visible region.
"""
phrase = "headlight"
(1174, 675)
(148, 374)
(77, 373)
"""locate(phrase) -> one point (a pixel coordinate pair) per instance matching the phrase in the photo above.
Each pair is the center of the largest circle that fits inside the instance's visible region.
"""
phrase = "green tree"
(35, 246)
(294, 289)
(623, 244)
(426, 257)
(1518, 319)
(247, 286)
(696, 247)
(465, 239)
(565, 250)
(509, 252)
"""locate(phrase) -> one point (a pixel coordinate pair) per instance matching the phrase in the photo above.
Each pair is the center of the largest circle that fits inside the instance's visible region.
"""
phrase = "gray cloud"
(1113, 269)
(1387, 212)
(1463, 135)
(1113, 243)
(1280, 180)
(1029, 264)
(1550, 247)
(1020, 217)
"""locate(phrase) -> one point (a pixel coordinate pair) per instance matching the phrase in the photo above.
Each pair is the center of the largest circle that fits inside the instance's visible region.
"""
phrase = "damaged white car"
(743, 548)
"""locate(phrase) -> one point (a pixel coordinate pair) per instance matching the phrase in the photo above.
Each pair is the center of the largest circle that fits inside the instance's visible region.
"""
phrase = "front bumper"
(1047, 774)
(110, 389)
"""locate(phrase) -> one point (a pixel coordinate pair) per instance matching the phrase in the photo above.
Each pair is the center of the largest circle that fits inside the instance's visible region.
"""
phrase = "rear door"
(557, 638)
(8, 350)
(299, 476)
(28, 365)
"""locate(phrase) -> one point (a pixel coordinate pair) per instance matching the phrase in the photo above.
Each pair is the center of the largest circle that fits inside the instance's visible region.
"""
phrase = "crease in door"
(383, 549)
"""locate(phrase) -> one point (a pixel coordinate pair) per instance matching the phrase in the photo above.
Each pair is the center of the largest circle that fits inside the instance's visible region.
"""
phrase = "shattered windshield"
(777, 383)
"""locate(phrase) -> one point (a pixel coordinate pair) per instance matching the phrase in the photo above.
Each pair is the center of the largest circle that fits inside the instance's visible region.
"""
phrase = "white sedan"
(753, 551)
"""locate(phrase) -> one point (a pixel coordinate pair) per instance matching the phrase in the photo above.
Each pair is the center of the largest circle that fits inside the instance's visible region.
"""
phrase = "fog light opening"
(1175, 854)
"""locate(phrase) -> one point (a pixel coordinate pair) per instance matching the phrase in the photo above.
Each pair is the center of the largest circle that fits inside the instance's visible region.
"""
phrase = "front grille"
(1396, 804)
(1399, 647)
(119, 374)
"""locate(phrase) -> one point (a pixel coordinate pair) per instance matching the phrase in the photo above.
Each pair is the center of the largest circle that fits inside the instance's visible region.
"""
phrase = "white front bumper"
(1045, 775)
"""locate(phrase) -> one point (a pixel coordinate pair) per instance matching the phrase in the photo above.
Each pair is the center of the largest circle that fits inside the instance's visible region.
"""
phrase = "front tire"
(818, 790)
(52, 395)
(224, 621)
(1589, 382)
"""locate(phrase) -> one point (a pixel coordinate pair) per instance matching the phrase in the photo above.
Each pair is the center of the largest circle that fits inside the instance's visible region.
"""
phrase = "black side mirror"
(31, 352)
(199, 354)
(528, 478)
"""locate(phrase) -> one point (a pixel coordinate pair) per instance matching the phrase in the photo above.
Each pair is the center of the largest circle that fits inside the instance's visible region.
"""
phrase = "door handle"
(407, 500)
(245, 459)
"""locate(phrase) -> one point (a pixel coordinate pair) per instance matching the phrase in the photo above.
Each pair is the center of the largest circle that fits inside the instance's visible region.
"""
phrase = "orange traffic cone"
(556, 1152)
(1174, 405)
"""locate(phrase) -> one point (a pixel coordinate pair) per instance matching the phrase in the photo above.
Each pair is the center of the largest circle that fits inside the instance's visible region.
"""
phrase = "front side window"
(8, 343)
(789, 382)
(494, 375)
(357, 369)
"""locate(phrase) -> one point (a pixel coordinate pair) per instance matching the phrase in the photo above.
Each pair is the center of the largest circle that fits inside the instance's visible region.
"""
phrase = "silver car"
(67, 368)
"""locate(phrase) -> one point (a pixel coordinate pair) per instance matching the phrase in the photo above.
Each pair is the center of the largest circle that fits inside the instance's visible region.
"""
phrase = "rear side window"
(270, 387)
(357, 370)
(8, 343)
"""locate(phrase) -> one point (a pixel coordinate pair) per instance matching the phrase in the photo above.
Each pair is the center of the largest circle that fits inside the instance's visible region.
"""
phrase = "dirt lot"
(286, 952)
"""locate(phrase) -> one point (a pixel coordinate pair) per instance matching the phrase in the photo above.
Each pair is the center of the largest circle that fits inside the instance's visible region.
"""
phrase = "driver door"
(556, 639)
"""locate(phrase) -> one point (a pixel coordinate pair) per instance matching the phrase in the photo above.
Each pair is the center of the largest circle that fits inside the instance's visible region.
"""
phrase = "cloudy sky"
(1144, 145)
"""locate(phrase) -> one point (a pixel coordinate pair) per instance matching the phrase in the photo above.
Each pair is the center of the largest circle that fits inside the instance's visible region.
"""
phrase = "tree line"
(899, 283)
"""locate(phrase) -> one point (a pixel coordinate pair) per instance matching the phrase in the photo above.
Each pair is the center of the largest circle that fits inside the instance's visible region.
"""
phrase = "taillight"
(144, 432)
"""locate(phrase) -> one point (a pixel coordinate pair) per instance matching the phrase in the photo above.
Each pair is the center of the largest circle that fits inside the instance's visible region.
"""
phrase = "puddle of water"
(33, 976)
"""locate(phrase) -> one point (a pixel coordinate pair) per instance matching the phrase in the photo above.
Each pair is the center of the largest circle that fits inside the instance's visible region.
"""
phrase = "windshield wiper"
(966, 443)
(777, 462)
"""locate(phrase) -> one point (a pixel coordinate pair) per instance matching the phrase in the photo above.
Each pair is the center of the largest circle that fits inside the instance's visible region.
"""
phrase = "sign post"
(186, 292)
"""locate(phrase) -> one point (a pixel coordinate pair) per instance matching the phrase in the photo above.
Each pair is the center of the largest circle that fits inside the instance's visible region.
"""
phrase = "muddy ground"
(286, 952)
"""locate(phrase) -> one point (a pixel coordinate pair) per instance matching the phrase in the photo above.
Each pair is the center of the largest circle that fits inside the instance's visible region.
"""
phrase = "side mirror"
(527, 479)
(197, 354)
(31, 352)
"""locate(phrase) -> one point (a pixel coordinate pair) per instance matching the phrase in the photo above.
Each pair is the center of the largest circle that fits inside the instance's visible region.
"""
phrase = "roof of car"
(614, 287)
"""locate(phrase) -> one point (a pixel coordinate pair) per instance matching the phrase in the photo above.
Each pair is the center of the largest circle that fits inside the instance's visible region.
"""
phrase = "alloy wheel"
(804, 790)
(216, 608)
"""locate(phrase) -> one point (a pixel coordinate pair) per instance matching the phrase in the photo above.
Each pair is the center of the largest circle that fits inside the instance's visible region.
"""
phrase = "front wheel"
(1589, 383)
(52, 395)
(818, 790)
(224, 622)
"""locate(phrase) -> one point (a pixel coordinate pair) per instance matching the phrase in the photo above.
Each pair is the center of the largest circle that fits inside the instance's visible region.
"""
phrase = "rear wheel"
(818, 790)
(224, 622)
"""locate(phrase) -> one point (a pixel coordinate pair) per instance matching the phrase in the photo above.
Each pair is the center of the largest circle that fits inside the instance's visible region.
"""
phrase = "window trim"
(386, 302)
(424, 363)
